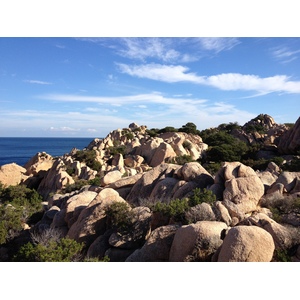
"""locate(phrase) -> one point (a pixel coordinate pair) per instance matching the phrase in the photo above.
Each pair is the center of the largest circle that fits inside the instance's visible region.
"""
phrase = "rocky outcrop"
(39, 162)
(290, 141)
(55, 179)
(261, 130)
(242, 189)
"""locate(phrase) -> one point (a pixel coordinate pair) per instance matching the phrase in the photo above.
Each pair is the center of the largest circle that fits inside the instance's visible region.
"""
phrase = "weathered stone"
(92, 219)
(223, 213)
(247, 244)
(76, 204)
(193, 171)
(12, 174)
(125, 181)
(281, 235)
(111, 177)
(162, 191)
(200, 212)
(288, 179)
(55, 180)
(144, 186)
(100, 245)
(242, 195)
(289, 142)
(139, 230)
(39, 162)
(197, 241)
(157, 247)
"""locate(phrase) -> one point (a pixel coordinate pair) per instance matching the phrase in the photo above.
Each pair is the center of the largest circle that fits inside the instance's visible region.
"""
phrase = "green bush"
(175, 209)
(119, 216)
(63, 250)
(89, 158)
(189, 128)
(201, 195)
(17, 205)
(182, 159)
(224, 147)
(75, 186)
(121, 149)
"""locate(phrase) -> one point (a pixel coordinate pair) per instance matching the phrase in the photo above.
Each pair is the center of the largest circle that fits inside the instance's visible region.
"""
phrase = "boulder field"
(238, 226)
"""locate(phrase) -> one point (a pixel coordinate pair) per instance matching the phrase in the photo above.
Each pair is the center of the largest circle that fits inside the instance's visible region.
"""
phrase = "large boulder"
(282, 235)
(197, 241)
(55, 180)
(138, 231)
(76, 204)
(242, 188)
(289, 142)
(247, 244)
(39, 162)
(12, 174)
(145, 185)
(92, 220)
(288, 179)
(157, 247)
(193, 171)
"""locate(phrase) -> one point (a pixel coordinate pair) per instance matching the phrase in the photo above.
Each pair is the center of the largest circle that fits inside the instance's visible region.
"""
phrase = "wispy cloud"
(284, 54)
(226, 81)
(218, 44)
(38, 82)
(63, 129)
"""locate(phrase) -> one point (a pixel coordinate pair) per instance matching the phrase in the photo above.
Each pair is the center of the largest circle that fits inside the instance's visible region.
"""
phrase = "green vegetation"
(79, 183)
(176, 209)
(202, 196)
(89, 158)
(120, 149)
(17, 205)
(61, 250)
(182, 159)
(119, 216)
(224, 147)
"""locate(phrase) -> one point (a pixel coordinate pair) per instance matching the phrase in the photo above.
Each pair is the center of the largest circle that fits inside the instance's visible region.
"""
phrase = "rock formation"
(137, 171)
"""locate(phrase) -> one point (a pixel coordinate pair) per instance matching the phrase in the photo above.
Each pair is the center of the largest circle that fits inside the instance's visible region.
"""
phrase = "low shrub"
(63, 250)
(119, 216)
(201, 195)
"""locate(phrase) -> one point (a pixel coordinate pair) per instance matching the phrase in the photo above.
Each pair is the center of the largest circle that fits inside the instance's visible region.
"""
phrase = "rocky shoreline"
(131, 166)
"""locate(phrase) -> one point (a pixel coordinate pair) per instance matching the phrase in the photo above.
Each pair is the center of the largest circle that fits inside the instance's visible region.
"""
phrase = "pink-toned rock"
(247, 244)
(157, 247)
(200, 241)
(92, 220)
(242, 195)
(76, 204)
(55, 180)
(39, 162)
(282, 236)
(12, 174)
(111, 177)
(289, 142)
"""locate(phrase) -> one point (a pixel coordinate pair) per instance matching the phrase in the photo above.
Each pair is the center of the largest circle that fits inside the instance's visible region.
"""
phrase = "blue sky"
(86, 87)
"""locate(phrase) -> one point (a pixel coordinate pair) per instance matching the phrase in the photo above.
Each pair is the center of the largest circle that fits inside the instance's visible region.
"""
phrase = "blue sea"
(20, 150)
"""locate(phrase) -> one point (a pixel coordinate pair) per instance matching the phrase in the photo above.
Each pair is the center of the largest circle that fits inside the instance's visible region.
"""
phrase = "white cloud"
(142, 48)
(38, 82)
(226, 81)
(218, 44)
(63, 129)
(284, 54)
(166, 73)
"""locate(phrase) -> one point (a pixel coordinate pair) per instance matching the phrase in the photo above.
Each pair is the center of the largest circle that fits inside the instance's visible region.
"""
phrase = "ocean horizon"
(20, 150)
